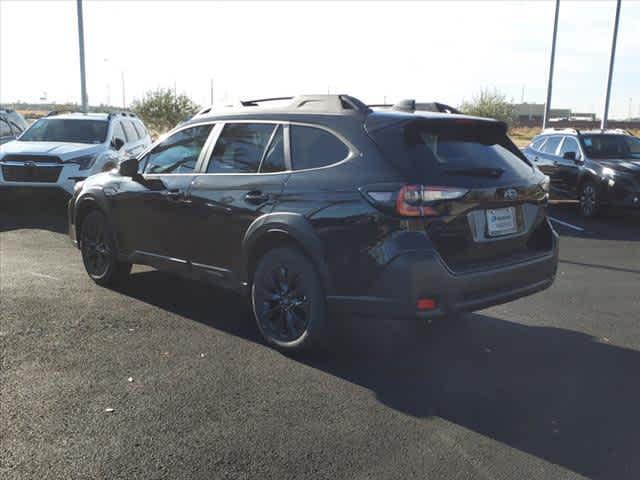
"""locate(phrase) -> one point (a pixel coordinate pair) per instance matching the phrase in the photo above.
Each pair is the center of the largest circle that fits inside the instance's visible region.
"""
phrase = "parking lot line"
(580, 229)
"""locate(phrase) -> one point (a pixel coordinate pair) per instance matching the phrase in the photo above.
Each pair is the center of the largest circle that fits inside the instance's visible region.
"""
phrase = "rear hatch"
(479, 199)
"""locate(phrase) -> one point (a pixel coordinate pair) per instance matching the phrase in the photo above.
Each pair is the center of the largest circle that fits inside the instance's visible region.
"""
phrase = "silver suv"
(59, 150)
(11, 125)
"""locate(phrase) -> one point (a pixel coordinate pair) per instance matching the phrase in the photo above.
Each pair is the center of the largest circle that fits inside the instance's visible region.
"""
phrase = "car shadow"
(33, 209)
(561, 395)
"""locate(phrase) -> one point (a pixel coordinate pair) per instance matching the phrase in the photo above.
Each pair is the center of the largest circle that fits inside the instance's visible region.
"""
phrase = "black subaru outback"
(326, 205)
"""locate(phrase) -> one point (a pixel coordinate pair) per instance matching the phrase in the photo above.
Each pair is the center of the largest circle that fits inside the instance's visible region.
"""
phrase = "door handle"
(256, 197)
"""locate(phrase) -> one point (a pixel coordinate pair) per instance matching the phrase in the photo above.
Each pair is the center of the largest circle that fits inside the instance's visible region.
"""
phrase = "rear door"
(153, 214)
(548, 162)
(242, 180)
(569, 170)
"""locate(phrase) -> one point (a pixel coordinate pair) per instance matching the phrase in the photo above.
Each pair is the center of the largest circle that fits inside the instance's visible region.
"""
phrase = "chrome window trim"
(172, 133)
(203, 160)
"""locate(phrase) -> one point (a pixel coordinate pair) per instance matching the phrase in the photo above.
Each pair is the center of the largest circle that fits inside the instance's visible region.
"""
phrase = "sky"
(376, 51)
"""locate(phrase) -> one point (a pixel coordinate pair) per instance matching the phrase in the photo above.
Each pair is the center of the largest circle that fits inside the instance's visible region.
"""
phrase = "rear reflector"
(426, 304)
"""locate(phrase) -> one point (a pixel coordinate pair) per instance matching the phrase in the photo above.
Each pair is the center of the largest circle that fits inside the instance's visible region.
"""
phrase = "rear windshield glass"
(438, 152)
(66, 130)
(611, 146)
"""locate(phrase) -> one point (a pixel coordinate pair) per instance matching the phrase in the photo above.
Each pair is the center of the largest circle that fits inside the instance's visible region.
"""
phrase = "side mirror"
(570, 156)
(129, 168)
(117, 143)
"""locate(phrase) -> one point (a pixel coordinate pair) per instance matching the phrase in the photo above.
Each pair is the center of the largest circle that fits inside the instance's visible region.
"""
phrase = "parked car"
(59, 150)
(326, 206)
(12, 124)
(598, 168)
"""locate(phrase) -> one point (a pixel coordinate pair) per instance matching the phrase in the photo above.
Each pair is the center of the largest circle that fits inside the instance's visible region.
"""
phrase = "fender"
(298, 229)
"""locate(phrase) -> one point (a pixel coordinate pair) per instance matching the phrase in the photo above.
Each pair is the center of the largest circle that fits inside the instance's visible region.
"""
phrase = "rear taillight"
(411, 200)
(419, 200)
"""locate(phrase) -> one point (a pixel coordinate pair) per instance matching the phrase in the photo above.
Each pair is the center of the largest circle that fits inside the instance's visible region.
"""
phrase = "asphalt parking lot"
(167, 378)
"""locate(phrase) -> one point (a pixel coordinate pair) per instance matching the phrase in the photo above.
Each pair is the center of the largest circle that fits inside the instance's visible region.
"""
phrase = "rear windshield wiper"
(475, 172)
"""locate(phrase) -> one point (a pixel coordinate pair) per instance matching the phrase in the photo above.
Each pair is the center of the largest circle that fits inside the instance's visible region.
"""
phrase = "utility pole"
(547, 106)
(211, 86)
(83, 81)
(605, 114)
(124, 97)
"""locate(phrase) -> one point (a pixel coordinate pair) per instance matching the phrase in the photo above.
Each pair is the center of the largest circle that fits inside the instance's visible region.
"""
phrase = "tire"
(288, 300)
(99, 253)
(589, 202)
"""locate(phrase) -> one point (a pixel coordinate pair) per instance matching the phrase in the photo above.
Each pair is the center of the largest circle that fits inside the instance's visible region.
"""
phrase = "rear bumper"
(423, 274)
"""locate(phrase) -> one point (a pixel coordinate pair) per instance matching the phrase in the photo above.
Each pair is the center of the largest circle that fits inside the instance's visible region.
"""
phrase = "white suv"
(59, 150)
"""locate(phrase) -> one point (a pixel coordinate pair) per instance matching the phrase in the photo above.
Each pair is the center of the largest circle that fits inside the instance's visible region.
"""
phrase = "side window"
(240, 147)
(537, 143)
(178, 153)
(313, 147)
(570, 145)
(118, 131)
(274, 157)
(551, 146)
(132, 136)
(5, 129)
(142, 132)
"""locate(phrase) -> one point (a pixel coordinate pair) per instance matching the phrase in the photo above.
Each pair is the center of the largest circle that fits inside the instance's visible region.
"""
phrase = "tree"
(161, 109)
(492, 104)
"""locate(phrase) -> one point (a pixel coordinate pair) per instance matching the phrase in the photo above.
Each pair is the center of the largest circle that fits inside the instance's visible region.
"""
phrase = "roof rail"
(411, 106)
(314, 103)
(52, 113)
(254, 103)
(124, 114)
(567, 130)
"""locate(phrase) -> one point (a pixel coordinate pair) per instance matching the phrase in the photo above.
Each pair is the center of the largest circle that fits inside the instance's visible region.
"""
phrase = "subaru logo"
(510, 194)
(30, 164)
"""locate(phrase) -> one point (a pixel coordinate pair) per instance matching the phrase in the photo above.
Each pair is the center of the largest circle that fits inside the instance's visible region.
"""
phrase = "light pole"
(83, 81)
(547, 106)
(605, 113)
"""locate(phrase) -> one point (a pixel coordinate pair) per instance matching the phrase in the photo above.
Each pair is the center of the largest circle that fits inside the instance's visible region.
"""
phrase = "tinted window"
(132, 135)
(570, 145)
(445, 153)
(551, 145)
(314, 147)
(538, 143)
(240, 147)
(67, 130)
(5, 130)
(611, 146)
(118, 131)
(178, 153)
(274, 158)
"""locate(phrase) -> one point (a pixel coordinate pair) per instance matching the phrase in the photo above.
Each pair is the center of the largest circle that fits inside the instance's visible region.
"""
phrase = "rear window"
(313, 147)
(440, 152)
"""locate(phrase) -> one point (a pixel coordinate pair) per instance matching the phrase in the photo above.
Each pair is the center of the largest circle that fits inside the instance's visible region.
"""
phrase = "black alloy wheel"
(588, 200)
(288, 300)
(98, 251)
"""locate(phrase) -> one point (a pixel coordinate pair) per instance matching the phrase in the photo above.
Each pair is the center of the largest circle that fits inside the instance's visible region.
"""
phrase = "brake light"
(418, 200)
